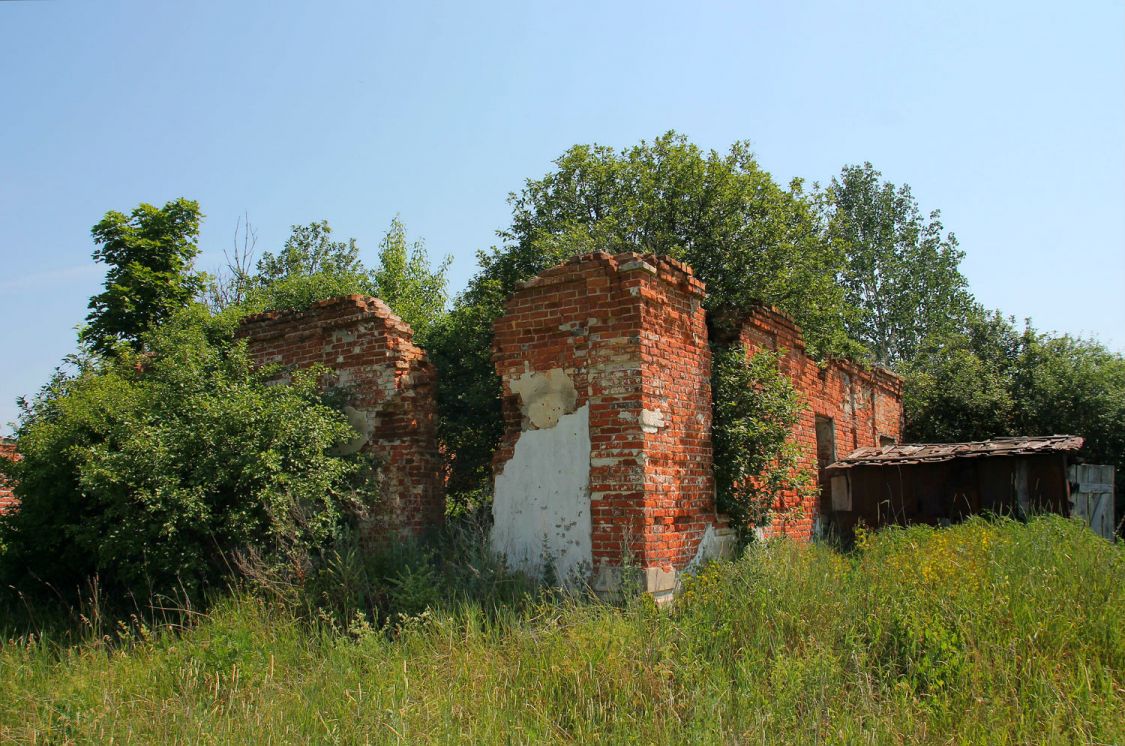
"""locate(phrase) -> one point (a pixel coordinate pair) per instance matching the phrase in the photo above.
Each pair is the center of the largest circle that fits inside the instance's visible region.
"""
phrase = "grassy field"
(988, 632)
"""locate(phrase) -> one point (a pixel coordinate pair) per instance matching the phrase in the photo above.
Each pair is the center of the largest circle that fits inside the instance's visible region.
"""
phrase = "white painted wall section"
(542, 500)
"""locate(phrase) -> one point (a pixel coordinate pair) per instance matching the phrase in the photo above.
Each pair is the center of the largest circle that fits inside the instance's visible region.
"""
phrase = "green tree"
(469, 417)
(748, 238)
(311, 267)
(901, 272)
(406, 283)
(310, 250)
(989, 379)
(1064, 384)
(958, 385)
(149, 471)
(150, 254)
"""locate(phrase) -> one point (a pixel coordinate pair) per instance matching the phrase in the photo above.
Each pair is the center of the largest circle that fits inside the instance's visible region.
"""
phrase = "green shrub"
(754, 410)
(150, 470)
(382, 583)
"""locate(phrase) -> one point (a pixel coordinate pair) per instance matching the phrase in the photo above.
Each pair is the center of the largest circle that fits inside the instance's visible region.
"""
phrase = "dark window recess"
(825, 441)
(825, 455)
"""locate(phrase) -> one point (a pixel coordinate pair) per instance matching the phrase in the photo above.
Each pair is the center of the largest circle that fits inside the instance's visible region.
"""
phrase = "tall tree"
(958, 385)
(1064, 384)
(308, 251)
(406, 282)
(150, 254)
(747, 237)
(901, 272)
(990, 379)
(311, 266)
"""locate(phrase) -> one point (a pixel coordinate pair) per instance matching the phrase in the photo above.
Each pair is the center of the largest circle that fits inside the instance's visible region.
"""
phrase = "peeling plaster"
(545, 397)
(541, 506)
(715, 544)
(652, 420)
(364, 427)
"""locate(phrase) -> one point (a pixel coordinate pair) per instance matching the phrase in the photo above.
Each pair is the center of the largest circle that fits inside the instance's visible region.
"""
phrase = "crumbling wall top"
(667, 269)
(787, 333)
(324, 314)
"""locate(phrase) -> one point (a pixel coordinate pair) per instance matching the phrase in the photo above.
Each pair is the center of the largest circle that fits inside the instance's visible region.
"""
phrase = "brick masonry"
(864, 406)
(621, 340)
(390, 388)
(8, 499)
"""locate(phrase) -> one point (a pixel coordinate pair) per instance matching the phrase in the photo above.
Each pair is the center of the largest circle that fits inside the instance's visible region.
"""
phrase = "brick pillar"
(606, 454)
(391, 390)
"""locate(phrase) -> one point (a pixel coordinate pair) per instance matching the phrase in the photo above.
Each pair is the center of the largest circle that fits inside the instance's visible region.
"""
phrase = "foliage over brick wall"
(864, 405)
(388, 385)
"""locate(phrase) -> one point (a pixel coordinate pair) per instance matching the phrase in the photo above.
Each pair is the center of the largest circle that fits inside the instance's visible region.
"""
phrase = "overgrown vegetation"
(149, 470)
(993, 631)
(311, 266)
(157, 460)
(755, 408)
(856, 263)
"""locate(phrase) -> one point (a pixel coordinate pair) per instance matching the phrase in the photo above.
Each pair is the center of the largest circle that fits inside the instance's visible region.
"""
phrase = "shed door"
(1092, 497)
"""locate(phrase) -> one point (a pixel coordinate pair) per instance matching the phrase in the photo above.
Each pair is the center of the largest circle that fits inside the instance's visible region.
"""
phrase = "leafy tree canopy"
(311, 267)
(901, 272)
(958, 386)
(405, 281)
(308, 251)
(747, 237)
(989, 379)
(150, 254)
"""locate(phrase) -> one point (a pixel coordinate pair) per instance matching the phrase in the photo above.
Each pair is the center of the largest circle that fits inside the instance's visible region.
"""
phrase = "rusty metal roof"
(901, 454)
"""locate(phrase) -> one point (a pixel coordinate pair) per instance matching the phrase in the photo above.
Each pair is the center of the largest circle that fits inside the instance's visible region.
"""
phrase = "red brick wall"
(864, 404)
(630, 332)
(391, 396)
(8, 499)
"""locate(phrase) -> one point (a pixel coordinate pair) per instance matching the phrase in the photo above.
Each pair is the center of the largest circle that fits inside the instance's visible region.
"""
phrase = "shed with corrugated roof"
(941, 483)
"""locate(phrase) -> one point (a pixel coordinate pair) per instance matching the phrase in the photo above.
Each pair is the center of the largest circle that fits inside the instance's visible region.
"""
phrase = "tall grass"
(988, 632)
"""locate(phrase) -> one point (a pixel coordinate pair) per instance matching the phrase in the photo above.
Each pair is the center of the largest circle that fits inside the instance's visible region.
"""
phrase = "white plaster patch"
(541, 508)
(545, 397)
(652, 420)
(363, 429)
(715, 544)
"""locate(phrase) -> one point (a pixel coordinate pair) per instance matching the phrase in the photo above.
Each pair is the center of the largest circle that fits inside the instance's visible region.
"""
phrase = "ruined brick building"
(607, 406)
(606, 457)
(848, 407)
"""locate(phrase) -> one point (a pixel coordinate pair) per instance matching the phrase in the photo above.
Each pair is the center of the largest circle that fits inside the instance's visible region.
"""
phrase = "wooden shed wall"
(949, 491)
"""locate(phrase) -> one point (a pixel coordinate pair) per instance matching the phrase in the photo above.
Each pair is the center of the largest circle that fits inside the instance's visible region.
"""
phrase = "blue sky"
(1007, 116)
